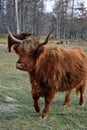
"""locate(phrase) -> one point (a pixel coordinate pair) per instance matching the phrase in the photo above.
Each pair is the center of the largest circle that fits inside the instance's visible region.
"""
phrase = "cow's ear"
(15, 48)
(40, 50)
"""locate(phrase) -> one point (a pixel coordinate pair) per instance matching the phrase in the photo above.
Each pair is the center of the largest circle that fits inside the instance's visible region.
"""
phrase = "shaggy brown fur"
(52, 69)
(20, 36)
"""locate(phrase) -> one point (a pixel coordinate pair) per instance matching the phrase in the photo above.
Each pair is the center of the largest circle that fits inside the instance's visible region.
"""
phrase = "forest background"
(69, 17)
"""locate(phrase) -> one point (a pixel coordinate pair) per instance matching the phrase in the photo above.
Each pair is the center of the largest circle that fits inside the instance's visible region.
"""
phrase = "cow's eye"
(31, 55)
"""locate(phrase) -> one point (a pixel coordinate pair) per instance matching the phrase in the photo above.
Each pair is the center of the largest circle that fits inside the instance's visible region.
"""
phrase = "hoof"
(44, 117)
(65, 105)
(82, 105)
(37, 110)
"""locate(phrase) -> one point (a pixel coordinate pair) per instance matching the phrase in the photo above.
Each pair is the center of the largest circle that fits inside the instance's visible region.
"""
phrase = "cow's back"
(61, 68)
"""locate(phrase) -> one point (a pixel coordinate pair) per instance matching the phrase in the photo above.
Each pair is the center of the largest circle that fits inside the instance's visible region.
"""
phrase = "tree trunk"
(17, 20)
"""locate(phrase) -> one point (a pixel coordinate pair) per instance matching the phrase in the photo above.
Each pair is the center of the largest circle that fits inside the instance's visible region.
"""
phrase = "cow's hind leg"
(82, 97)
(67, 98)
(82, 94)
(81, 91)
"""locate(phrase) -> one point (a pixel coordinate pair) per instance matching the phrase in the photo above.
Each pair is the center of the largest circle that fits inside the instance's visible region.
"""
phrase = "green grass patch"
(3, 35)
(16, 104)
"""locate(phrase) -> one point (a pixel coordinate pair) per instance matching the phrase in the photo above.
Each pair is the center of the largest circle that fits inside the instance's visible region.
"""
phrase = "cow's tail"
(78, 91)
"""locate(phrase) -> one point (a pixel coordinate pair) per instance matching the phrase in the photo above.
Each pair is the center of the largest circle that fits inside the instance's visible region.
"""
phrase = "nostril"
(19, 65)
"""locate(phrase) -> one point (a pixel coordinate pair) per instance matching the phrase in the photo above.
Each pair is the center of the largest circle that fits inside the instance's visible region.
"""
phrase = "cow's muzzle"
(19, 66)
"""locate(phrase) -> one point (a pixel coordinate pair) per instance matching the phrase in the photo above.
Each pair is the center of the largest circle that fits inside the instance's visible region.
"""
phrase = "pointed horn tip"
(51, 32)
(7, 27)
(53, 29)
(46, 41)
(8, 30)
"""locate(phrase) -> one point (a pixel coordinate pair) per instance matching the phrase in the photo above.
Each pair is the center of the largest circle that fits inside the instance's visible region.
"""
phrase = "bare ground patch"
(7, 105)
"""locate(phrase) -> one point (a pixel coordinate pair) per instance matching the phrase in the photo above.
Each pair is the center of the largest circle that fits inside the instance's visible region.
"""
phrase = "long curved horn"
(47, 38)
(13, 38)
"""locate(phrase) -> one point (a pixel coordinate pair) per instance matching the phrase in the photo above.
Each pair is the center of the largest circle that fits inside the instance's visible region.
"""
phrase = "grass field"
(16, 104)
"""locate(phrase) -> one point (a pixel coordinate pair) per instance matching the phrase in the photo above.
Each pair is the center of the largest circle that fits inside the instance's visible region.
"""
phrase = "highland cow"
(20, 36)
(52, 69)
(60, 42)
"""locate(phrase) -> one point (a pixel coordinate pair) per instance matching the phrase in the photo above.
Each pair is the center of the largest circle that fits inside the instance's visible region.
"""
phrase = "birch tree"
(17, 20)
(60, 10)
(0, 16)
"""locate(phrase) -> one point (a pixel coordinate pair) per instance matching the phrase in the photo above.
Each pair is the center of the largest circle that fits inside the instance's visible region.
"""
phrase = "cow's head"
(28, 50)
(25, 35)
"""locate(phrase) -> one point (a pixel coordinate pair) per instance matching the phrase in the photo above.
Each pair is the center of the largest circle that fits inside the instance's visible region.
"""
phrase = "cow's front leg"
(36, 104)
(48, 100)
